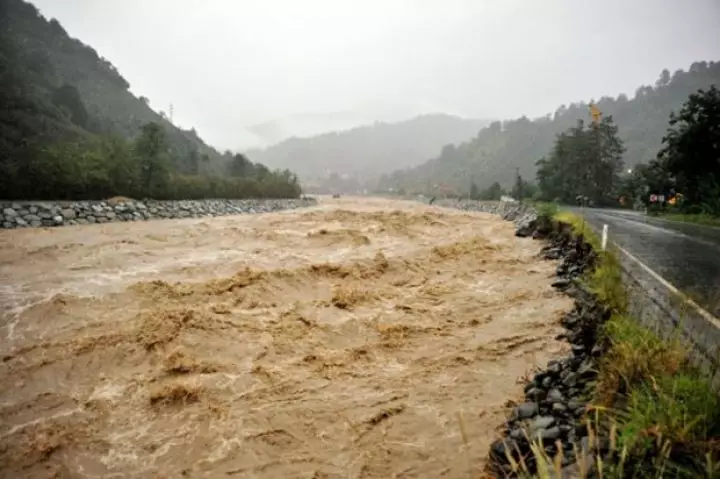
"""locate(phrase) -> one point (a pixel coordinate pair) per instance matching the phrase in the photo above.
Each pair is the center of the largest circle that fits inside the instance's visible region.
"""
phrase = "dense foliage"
(584, 162)
(689, 161)
(70, 128)
(347, 161)
(497, 150)
(684, 176)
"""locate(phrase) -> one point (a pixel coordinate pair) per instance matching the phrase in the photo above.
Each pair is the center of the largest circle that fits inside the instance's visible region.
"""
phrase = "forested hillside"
(362, 154)
(68, 122)
(496, 151)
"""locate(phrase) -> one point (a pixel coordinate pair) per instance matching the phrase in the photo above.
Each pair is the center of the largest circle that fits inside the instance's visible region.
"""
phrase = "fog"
(226, 65)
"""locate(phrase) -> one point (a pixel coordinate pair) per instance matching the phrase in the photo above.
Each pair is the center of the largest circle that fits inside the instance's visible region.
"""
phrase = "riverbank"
(626, 402)
(25, 214)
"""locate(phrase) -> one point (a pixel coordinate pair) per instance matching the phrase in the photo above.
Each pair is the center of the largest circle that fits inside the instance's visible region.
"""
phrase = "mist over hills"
(358, 156)
(493, 154)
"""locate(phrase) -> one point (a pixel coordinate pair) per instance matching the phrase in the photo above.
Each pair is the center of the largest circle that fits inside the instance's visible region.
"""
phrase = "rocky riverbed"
(46, 214)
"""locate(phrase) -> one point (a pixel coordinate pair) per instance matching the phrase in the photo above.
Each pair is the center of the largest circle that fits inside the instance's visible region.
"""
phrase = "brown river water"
(359, 338)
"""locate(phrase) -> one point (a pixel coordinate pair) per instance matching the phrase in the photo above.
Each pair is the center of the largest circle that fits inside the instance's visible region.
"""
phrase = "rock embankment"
(554, 411)
(553, 414)
(44, 214)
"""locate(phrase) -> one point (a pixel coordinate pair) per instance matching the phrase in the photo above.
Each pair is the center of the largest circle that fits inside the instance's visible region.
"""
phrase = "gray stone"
(33, 209)
(9, 213)
(8, 225)
(68, 213)
(36, 223)
(30, 218)
(542, 422)
(525, 411)
(20, 221)
(58, 219)
(554, 396)
(110, 215)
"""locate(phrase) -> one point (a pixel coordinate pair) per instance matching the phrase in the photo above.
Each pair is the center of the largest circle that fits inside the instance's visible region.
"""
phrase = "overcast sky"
(225, 64)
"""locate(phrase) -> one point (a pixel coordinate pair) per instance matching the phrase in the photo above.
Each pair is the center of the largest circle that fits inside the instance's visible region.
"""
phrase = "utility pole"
(171, 112)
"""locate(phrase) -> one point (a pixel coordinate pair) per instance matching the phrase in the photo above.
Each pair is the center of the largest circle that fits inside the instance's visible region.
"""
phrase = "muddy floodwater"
(358, 338)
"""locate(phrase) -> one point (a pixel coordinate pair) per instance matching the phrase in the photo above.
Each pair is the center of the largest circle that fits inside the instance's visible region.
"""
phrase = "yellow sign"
(595, 113)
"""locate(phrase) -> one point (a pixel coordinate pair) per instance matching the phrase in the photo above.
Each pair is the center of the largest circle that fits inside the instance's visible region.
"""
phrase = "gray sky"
(225, 64)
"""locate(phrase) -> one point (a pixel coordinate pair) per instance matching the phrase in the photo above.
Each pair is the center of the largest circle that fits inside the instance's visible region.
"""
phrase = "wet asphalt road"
(685, 255)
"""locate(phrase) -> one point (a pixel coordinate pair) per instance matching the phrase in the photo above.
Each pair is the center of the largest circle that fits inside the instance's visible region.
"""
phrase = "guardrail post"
(603, 245)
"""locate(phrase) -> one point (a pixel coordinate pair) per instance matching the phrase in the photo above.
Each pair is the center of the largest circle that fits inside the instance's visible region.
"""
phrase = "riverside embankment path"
(357, 338)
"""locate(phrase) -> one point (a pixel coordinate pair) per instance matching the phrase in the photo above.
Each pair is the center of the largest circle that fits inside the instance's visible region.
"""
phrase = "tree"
(68, 98)
(152, 151)
(493, 193)
(192, 163)
(240, 166)
(585, 161)
(517, 191)
(664, 79)
(690, 155)
(474, 191)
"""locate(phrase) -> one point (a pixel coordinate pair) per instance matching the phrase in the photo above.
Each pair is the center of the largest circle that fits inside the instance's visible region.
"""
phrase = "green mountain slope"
(496, 151)
(366, 152)
(43, 52)
(67, 117)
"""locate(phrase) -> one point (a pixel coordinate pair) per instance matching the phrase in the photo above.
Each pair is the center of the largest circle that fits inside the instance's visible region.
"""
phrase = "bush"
(108, 166)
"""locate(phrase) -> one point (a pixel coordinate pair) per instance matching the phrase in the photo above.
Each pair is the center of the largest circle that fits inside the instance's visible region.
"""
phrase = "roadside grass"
(659, 415)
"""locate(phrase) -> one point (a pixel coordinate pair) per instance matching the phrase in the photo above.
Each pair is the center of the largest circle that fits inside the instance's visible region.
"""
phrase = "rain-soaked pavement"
(686, 255)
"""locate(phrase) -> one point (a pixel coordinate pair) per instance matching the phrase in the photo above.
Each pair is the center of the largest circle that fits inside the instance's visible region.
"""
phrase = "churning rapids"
(358, 338)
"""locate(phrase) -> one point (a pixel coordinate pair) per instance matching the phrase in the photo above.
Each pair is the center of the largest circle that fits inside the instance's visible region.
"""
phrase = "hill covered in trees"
(497, 151)
(347, 160)
(70, 127)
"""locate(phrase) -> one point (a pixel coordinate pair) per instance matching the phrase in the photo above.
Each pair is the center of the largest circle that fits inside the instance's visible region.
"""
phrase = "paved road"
(686, 255)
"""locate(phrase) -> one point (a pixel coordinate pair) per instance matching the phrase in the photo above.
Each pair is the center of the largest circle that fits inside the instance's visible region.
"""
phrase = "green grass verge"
(661, 414)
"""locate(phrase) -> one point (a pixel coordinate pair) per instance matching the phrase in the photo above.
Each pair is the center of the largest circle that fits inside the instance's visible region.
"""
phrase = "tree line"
(494, 153)
(102, 167)
(586, 163)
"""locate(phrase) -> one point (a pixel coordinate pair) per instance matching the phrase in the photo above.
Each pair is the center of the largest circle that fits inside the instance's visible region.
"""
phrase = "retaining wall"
(24, 214)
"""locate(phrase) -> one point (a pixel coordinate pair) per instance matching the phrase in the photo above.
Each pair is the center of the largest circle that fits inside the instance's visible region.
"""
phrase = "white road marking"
(703, 312)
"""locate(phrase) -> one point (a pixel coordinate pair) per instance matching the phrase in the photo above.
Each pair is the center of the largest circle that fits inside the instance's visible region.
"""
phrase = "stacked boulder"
(44, 214)
(554, 409)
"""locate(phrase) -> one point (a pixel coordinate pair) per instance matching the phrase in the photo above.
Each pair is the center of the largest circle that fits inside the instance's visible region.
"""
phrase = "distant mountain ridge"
(494, 153)
(366, 152)
(306, 125)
